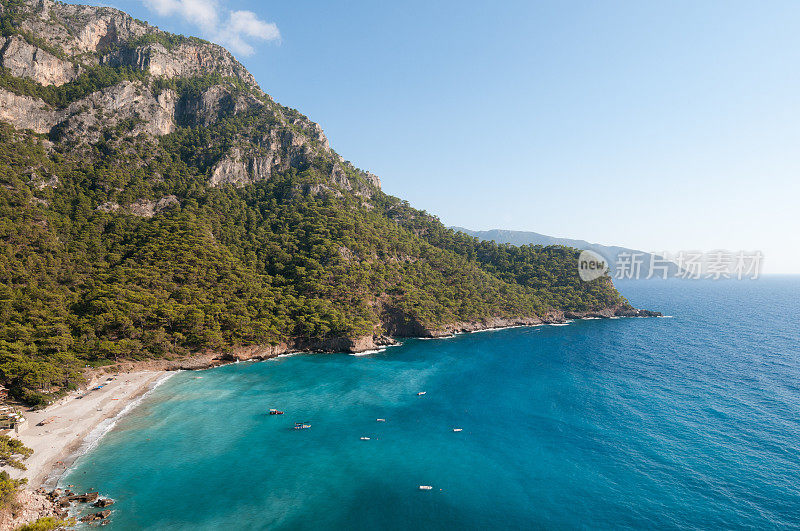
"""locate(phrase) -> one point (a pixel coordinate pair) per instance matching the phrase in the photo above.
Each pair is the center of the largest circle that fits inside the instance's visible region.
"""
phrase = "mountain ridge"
(611, 253)
(156, 203)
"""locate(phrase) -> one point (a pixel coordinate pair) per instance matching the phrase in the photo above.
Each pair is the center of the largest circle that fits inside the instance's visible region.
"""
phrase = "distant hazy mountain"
(611, 253)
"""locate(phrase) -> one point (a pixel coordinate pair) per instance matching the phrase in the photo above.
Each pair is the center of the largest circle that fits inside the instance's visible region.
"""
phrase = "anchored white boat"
(425, 487)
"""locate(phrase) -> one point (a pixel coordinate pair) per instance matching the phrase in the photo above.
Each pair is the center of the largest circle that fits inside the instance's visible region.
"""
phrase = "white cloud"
(233, 29)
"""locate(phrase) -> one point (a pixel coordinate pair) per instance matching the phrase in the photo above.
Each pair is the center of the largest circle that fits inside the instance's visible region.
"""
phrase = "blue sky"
(654, 125)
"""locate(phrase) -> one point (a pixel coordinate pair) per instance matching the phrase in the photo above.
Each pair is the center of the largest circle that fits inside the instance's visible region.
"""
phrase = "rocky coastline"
(33, 504)
(211, 359)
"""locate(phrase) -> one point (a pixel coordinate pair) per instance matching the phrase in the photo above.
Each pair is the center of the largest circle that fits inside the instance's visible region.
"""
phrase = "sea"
(689, 421)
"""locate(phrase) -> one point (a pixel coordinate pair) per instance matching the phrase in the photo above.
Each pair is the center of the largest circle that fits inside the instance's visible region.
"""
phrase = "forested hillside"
(154, 207)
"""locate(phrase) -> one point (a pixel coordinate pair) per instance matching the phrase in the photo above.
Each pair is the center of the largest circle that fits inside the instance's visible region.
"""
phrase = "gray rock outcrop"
(25, 60)
(209, 88)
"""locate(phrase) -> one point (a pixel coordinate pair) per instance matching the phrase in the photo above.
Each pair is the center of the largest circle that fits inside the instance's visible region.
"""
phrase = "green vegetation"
(48, 523)
(8, 488)
(168, 40)
(10, 25)
(91, 80)
(309, 255)
(12, 452)
(291, 257)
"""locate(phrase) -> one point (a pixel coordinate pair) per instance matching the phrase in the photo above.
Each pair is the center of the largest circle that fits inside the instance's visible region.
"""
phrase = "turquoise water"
(691, 421)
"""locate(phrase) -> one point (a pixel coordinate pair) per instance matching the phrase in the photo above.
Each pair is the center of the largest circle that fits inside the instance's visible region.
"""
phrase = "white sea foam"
(93, 438)
(106, 425)
(375, 351)
(368, 352)
(498, 328)
(286, 355)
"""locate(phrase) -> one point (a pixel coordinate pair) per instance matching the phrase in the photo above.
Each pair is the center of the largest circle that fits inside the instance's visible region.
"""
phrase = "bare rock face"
(127, 101)
(184, 60)
(372, 179)
(24, 112)
(262, 138)
(108, 207)
(25, 60)
(148, 209)
(83, 498)
(84, 119)
(42, 182)
(277, 150)
(236, 170)
(78, 29)
(214, 104)
(30, 506)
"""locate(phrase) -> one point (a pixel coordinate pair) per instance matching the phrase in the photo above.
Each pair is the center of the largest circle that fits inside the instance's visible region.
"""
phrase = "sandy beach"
(71, 420)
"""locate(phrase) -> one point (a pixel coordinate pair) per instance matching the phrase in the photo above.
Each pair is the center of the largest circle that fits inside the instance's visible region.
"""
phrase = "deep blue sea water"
(691, 421)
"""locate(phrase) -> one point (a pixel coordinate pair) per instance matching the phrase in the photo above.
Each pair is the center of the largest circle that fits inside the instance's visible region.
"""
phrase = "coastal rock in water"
(84, 498)
(94, 517)
(104, 502)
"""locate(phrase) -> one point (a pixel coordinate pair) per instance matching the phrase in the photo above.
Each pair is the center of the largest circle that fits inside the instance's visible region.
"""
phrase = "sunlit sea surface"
(688, 421)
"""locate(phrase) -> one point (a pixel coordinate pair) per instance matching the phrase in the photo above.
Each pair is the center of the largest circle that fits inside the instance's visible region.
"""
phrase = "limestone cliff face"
(25, 60)
(25, 112)
(62, 45)
(184, 60)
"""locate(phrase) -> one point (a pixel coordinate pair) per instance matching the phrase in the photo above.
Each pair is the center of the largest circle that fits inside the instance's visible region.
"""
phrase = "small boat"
(275, 412)
(458, 429)
(421, 393)
(380, 420)
(364, 438)
(425, 487)
(301, 425)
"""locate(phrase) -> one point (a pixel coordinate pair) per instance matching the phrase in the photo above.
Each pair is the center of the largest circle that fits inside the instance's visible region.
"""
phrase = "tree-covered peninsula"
(154, 203)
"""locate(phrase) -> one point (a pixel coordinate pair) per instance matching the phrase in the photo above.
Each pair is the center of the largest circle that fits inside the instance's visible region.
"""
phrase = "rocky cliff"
(71, 72)
(156, 204)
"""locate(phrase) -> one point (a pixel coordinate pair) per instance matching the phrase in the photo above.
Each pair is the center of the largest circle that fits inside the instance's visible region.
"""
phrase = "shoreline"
(70, 427)
(363, 345)
(88, 442)
(75, 426)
